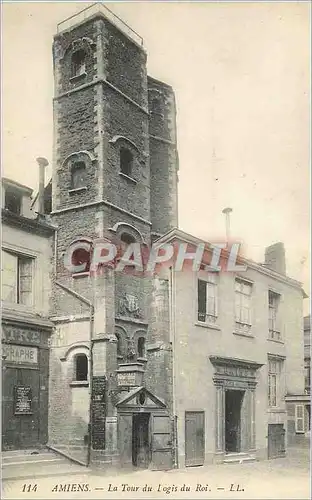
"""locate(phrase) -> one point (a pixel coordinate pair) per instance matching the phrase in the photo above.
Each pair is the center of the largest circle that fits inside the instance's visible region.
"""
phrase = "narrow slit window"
(78, 63)
(126, 161)
(78, 175)
(81, 367)
(141, 347)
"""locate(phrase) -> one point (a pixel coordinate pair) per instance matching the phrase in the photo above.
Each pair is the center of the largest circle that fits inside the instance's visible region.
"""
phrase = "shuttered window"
(300, 419)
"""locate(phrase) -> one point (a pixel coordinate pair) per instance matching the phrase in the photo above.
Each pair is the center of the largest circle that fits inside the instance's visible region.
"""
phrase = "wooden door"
(276, 441)
(194, 438)
(162, 446)
(125, 439)
(20, 427)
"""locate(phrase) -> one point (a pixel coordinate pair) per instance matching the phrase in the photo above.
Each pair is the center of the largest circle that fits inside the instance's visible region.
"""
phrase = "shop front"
(25, 365)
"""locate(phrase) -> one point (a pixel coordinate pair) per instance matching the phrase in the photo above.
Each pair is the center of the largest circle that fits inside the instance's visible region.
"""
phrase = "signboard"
(22, 400)
(20, 354)
(98, 412)
(126, 378)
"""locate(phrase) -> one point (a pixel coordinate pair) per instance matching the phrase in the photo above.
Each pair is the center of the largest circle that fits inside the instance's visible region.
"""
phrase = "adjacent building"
(26, 262)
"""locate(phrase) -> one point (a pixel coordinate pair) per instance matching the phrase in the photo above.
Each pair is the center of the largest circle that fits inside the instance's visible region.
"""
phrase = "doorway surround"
(236, 375)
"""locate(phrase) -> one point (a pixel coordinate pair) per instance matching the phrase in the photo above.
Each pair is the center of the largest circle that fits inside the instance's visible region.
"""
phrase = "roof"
(178, 234)
(17, 185)
(34, 226)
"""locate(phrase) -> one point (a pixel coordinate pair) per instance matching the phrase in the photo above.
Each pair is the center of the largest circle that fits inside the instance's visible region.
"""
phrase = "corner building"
(115, 177)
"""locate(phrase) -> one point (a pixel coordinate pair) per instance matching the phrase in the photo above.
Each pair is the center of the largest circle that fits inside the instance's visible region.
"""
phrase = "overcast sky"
(241, 76)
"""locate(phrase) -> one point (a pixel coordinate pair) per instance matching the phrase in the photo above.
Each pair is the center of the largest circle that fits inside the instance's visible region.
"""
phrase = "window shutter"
(300, 419)
(202, 299)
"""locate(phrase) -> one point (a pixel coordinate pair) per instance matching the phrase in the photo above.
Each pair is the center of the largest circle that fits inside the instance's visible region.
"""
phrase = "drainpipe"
(173, 346)
(91, 331)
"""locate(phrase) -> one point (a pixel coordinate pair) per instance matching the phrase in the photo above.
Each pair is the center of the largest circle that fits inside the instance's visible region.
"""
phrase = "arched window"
(82, 257)
(78, 63)
(126, 161)
(81, 367)
(141, 347)
(78, 175)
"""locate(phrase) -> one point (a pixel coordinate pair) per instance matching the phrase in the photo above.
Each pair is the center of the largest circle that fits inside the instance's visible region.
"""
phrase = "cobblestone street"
(286, 478)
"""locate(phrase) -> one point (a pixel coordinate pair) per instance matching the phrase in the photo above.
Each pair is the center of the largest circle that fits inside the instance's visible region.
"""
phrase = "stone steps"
(35, 463)
(238, 458)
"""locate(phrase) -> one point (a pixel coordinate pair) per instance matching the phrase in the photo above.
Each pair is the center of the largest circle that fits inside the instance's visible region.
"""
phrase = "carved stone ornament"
(129, 305)
(131, 353)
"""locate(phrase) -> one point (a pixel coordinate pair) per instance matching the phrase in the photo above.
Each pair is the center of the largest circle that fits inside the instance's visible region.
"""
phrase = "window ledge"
(78, 383)
(78, 77)
(211, 326)
(242, 334)
(128, 178)
(77, 190)
(142, 360)
(276, 410)
(81, 275)
(276, 340)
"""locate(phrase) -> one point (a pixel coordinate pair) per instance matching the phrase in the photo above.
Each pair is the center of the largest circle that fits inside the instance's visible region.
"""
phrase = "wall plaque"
(20, 354)
(22, 400)
(126, 379)
(98, 412)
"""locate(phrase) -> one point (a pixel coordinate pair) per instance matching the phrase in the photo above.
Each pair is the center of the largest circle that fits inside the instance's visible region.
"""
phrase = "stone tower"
(115, 177)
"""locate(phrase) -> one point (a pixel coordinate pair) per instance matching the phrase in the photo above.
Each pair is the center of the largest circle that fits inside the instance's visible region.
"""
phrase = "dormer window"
(13, 201)
(126, 161)
(78, 175)
(78, 63)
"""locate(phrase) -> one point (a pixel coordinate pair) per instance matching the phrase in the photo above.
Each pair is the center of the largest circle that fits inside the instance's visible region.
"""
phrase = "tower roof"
(99, 10)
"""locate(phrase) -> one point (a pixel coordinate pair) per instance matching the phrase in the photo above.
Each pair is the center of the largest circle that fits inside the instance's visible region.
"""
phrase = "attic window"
(78, 63)
(126, 161)
(13, 201)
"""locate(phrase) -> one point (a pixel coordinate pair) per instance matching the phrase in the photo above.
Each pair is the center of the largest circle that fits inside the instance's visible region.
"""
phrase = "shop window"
(81, 368)
(141, 347)
(78, 175)
(78, 63)
(126, 161)
(17, 278)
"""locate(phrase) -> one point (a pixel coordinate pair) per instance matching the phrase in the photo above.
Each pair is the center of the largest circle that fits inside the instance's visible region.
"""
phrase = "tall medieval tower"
(114, 176)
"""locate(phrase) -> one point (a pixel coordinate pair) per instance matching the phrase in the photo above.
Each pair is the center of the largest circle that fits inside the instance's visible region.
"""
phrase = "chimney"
(227, 212)
(43, 163)
(275, 258)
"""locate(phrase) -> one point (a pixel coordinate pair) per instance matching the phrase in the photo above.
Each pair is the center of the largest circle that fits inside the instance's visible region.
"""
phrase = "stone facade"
(102, 111)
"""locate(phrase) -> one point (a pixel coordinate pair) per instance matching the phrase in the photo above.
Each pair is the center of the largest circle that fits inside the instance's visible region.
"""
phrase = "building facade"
(237, 354)
(27, 253)
(167, 370)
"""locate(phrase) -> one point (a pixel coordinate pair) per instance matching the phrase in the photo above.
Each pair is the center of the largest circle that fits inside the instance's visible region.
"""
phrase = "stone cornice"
(26, 224)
